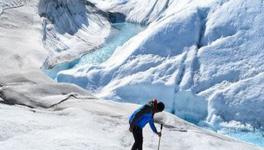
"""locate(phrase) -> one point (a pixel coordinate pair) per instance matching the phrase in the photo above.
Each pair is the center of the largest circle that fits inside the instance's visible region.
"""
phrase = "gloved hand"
(159, 134)
(131, 128)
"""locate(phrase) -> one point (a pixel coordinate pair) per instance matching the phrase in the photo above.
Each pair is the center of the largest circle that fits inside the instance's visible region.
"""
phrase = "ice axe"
(161, 126)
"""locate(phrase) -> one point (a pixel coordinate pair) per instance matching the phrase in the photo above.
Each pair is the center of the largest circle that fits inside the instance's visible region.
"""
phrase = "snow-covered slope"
(98, 125)
(203, 58)
(22, 54)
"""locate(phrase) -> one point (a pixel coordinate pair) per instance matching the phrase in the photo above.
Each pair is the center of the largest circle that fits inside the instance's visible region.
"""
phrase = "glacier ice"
(211, 48)
(83, 119)
(71, 28)
(122, 31)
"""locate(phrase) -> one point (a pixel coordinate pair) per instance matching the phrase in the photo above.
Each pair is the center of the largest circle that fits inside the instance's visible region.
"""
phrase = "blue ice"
(255, 137)
(124, 32)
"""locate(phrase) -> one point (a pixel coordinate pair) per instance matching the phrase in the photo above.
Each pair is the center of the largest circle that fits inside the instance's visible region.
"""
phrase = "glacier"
(212, 49)
(184, 68)
(204, 59)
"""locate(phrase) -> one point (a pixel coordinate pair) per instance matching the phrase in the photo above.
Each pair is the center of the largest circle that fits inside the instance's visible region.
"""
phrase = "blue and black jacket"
(142, 116)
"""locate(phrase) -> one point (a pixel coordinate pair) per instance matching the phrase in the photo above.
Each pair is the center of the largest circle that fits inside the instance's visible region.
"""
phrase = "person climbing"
(140, 118)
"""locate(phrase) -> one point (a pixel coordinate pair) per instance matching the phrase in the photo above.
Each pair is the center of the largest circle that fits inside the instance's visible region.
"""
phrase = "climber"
(140, 118)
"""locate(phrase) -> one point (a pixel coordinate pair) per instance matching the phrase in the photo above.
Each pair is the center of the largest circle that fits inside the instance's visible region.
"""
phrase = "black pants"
(138, 136)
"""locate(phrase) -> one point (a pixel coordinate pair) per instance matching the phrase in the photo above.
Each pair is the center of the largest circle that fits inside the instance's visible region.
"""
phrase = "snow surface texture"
(63, 116)
(204, 59)
(97, 125)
